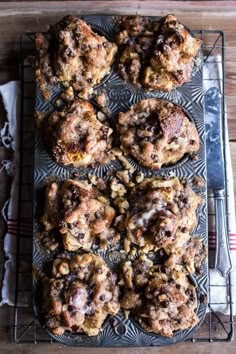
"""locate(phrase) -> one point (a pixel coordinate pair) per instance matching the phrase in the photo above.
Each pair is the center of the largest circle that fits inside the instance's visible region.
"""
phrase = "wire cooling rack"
(215, 328)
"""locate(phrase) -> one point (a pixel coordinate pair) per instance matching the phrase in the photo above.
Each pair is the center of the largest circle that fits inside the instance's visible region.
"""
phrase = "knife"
(216, 176)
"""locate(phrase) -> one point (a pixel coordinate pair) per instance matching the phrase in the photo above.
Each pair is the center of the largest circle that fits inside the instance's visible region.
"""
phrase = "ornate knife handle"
(222, 261)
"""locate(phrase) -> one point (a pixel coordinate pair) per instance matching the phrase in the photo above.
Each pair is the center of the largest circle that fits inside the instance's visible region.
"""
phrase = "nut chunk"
(80, 294)
(157, 132)
(77, 137)
(160, 299)
(73, 54)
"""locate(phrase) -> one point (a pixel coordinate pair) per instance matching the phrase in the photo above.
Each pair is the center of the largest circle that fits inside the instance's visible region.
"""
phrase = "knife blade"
(216, 176)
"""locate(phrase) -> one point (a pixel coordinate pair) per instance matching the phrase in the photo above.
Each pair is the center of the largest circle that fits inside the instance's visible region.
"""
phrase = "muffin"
(157, 55)
(161, 300)
(81, 292)
(76, 135)
(71, 53)
(161, 212)
(80, 214)
(156, 132)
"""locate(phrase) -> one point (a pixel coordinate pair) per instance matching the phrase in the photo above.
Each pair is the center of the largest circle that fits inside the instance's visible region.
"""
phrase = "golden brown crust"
(84, 215)
(158, 209)
(162, 300)
(156, 132)
(77, 137)
(79, 296)
(155, 54)
(73, 54)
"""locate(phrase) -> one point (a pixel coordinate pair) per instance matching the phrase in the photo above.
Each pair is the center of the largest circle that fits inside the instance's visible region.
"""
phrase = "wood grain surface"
(18, 17)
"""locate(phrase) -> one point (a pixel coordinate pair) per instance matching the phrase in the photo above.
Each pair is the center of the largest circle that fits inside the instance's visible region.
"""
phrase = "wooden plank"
(193, 348)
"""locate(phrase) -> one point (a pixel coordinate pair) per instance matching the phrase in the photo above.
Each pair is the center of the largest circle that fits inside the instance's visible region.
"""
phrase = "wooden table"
(17, 17)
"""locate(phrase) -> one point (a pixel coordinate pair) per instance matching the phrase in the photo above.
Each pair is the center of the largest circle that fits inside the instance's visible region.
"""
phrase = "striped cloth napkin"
(10, 94)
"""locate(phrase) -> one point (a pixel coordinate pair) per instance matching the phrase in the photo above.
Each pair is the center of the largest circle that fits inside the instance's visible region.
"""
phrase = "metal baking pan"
(119, 331)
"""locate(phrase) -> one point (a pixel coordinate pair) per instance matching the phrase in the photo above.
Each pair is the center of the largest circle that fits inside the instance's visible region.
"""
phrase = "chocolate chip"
(194, 157)
(184, 183)
(90, 292)
(163, 269)
(165, 177)
(42, 51)
(68, 52)
(164, 303)
(162, 252)
(98, 214)
(188, 292)
(81, 236)
(77, 36)
(90, 313)
(203, 299)
(70, 226)
(53, 80)
(102, 297)
(105, 44)
(160, 39)
(84, 46)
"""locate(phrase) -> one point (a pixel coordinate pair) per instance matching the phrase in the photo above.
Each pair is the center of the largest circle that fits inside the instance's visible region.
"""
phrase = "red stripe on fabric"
(28, 219)
(16, 226)
(20, 228)
(21, 223)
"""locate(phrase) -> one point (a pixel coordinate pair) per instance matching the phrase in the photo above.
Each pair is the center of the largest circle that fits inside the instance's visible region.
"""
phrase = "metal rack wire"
(215, 328)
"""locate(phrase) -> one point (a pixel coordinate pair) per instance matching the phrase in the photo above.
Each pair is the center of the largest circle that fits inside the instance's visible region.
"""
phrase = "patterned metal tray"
(119, 331)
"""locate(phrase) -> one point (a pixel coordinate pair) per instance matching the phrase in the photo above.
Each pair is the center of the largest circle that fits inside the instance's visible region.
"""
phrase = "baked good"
(79, 295)
(155, 54)
(71, 53)
(80, 213)
(188, 251)
(77, 137)
(156, 132)
(158, 209)
(162, 300)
